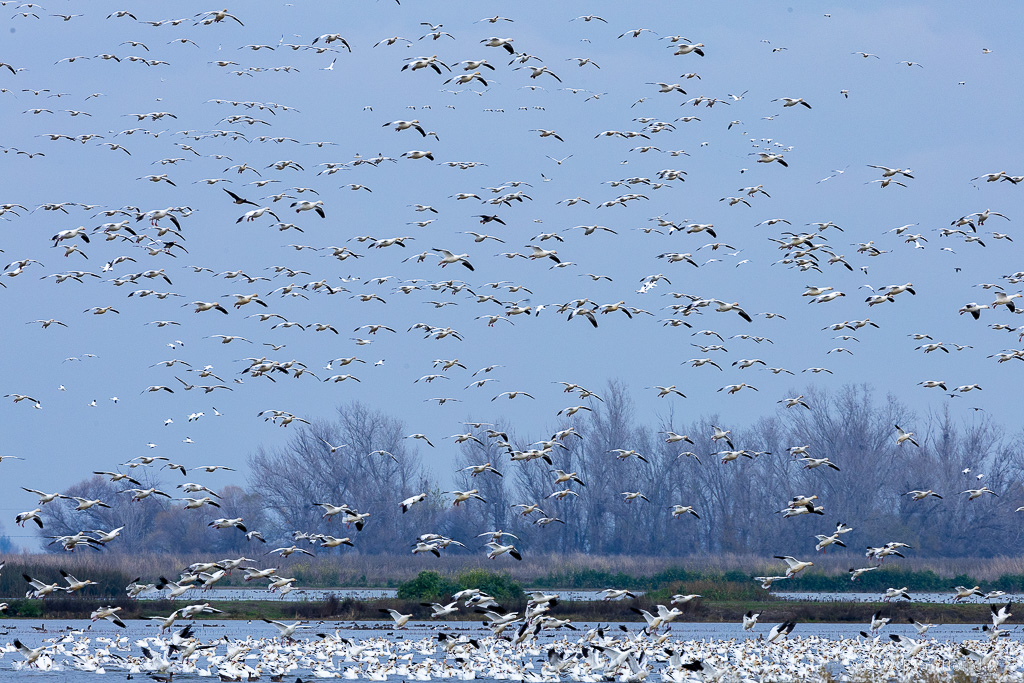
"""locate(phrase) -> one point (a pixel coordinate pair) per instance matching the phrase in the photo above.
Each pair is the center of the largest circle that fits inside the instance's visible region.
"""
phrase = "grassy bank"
(113, 572)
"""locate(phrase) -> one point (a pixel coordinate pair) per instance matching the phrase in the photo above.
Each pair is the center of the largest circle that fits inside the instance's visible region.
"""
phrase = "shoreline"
(697, 611)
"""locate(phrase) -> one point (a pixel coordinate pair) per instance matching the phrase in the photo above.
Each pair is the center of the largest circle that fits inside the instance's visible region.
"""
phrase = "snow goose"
(498, 549)
(44, 498)
(766, 158)
(542, 253)
(463, 496)
(825, 541)
(1002, 299)
(962, 592)
(39, 589)
(878, 621)
(407, 504)
(687, 48)
(734, 388)
(795, 401)
(724, 307)
(480, 469)
(141, 494)
(795, 565)
(85, 503)
(419, 154)
(921, 495)
(31, 516)
(224, 523)
(767, 581)
(791, 101)
(286, 630)
(500, 42)
(309, 206)
(977, 493)
(104, 537)
(921, 628)
(672, 437)
(448, 257)
(176, 590)
(1000, 614)
(624, 453)
(74, 584)
(544, 521)
(562, 477)
(780, 631)
(974, 309)
(811, 463)
(893, 593)
(902, 436)
(285, 552)
(332, 542)
(805, 509)
(721, 434)
(31, 655)
(439, 610)
(680, 599)
(856, 573)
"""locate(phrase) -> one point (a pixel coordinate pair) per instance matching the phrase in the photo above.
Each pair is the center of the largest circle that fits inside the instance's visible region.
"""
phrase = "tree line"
(740, 503)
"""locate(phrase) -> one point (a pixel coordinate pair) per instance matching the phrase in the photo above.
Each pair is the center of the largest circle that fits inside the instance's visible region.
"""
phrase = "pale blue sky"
(949, 121)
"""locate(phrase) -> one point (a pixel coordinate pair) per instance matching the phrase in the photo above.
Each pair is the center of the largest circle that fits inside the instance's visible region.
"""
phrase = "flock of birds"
(309, 305)
(592, 654)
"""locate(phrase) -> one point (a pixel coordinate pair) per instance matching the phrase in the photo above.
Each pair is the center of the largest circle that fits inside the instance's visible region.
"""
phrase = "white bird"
(448, 257)
(463, 496)
(286, 631)
(498, 549)
(780, 631)
(795, 565)
(400, 619)
(902, 436)
(680, 510)
(977, 493)
(412, 500)
(791, 101)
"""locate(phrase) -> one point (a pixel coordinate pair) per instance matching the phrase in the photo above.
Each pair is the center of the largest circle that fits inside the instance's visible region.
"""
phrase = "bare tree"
(360, 460)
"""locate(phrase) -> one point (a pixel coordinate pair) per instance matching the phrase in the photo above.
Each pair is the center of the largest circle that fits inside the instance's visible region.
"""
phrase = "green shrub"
(432, 586)
(427, 586)
(26, 608)
(499, 586)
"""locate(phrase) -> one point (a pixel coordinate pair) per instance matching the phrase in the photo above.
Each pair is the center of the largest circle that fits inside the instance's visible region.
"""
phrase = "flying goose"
(286, 631)
(902, 436)
(795, 565)
(498, 549)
